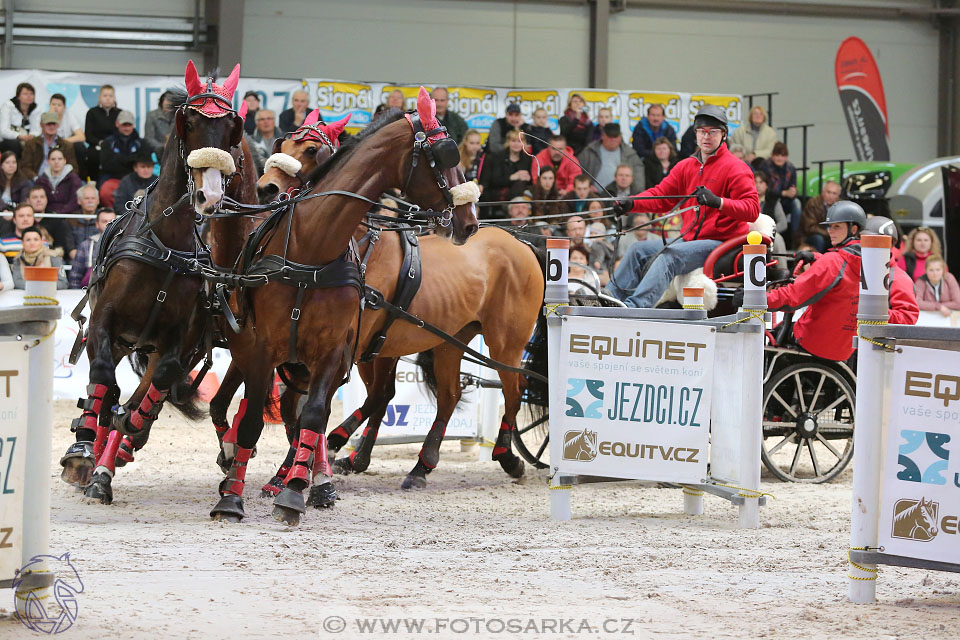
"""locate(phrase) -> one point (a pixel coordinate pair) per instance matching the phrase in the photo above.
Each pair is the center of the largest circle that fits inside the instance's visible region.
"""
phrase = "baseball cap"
(49, 117)
(125, 117)
(513, 107)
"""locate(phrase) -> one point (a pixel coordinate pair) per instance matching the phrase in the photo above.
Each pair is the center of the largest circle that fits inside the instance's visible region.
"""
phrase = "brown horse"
(308, 310)
(493, 285)
(154, 250)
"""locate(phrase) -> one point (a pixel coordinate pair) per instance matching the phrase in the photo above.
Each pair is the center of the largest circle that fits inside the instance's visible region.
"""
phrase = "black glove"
(707, 198)
(622, 207)
(737, 298)
(807, 257)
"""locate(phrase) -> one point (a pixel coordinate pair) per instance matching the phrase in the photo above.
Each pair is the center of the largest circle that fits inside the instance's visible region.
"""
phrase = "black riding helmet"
(884, 227)
(711, 115)
(849, 212)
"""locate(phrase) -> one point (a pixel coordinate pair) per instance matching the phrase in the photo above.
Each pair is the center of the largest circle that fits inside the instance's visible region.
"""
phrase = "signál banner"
(637, 399)
(14, 405)
(638, 102)
(920, 498)
(532, 99)
(336, 99)
(862, 99)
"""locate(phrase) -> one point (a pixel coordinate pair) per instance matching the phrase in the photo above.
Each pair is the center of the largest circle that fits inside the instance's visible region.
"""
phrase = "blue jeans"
(679, 258)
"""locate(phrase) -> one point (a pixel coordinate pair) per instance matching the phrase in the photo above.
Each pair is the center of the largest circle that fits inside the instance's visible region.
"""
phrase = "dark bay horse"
(493, 285)
(308, 311)
(146, 293)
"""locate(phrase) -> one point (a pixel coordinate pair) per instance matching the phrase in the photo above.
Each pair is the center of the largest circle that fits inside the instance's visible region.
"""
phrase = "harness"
(408, 284)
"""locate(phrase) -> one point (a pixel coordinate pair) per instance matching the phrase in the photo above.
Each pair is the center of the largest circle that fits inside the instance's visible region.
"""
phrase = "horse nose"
(268, 192)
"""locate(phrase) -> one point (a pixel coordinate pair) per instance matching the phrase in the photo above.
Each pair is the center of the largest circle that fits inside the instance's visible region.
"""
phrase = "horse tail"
(425, 363)
(537, 395)
(183, 397)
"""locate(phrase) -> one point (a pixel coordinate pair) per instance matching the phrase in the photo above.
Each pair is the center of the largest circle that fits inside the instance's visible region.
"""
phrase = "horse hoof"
(229, 509)
(342, 466)
(360, 462)
(513, 465)
(289, 500)
(78, 463)
(322, 496)
(289, 517)
(272, 488)
(100, 489)
(413, 482)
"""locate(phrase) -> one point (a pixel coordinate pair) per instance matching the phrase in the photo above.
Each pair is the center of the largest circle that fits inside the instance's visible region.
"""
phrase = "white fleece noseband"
(286, 163)
(211, 158)
(465, 193)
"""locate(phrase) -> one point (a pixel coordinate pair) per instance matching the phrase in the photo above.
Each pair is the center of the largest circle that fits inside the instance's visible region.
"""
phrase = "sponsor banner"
(532, 99)
(14, 403)
(479, 106)
(336, 99)
(731, 104)
(637, 399)
(597, 100)
(863, 101)
(412, 411)
(409, 91)
(637, 103)
(920, 497)
(275, 95)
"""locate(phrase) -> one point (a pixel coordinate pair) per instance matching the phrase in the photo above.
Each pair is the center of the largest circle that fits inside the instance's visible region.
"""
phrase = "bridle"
(440, 154)
(197, 102)
(307, 132)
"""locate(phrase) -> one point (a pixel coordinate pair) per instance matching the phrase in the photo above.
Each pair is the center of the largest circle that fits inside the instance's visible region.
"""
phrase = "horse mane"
(178, 97)
(350, 146)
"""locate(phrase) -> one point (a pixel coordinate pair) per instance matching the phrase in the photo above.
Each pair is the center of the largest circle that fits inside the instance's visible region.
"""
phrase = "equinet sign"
(584, 446)
(920, 520)
(635, 347)
(924, 384)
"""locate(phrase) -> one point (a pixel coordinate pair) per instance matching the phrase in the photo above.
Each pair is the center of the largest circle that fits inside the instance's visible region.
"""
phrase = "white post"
(867, 446)
(693, 497)
(751, 385)
(556, 293)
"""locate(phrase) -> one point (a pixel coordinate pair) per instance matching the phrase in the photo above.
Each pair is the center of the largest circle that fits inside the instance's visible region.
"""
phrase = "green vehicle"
(862, 181)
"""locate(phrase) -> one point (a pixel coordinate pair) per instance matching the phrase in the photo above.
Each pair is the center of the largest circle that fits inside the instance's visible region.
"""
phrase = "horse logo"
(915, 519)
(30, 607)
(580, 445)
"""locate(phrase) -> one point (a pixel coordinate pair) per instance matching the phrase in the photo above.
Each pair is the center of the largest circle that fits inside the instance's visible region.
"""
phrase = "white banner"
(920, 498)
(638, 398)
(13, 446)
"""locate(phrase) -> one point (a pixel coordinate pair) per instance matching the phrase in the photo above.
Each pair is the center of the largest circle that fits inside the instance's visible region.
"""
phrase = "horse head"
(437, 179)
(208, 127)
(927, 513)
(299, 155)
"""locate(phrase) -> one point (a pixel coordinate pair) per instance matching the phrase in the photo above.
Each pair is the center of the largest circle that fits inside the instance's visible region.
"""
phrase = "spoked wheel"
(532, 437)
(808, 412)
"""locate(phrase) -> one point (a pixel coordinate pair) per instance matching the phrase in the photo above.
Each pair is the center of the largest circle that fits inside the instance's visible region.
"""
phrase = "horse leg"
(243, 438)
(127, 446)
(220, 403)
(503, 447)
(289, 401)
(339, 436)
(446, 368)
(380, 392)
(80, 458)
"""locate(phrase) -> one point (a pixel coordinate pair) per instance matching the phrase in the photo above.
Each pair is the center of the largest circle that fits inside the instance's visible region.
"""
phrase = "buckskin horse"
(155, 249)
(493, 285)
(308, 309)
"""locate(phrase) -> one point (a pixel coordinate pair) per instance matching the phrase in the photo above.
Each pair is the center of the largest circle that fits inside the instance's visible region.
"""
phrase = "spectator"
(471, 154)
(261, 141)
(559, 156)
(159, 123)
(604, 115)
(921, 243)
(116, 155)
(756, 136)
(577, 199)
(641, 234)
(772, 207)
(37, 149)
(650, 128)
(19, 119)
(783, 183)
(659, 166)
(602, 158)
(60, 182)
(622, 185)
(737, 150)
(34, 254)
(512, 121)
(541, 129)
(456, 126)
(292, 118)
(545, 188)
(23, 218)
(79, 275)
(100, 123)
(595, 215)
(575, 124)
(252, 98)
(69, 129)
(6, 278)
(814, 213)
(688, 143)
(937, 289)
(505, 174)
(579, 258)
(396, 100)
(60, 232)
(602, 251)
(88, 198)
(141, 178)
(14, 183)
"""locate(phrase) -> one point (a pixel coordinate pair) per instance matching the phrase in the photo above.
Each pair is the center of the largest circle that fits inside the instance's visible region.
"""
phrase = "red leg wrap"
(125, 452)
(301, 461)
(358, 415)
(101, 441)
(236, 477)
(108, 459)
(503, 439)
(145, 413)
(91, 407)
(320, 463)
(341, 432)
(230, 437)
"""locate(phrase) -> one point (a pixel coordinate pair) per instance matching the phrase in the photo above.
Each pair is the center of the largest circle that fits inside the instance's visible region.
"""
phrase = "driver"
(727, 194)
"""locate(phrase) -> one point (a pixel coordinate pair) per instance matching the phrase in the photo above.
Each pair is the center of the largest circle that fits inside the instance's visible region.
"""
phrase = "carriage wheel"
(808, 412)
(532, 438)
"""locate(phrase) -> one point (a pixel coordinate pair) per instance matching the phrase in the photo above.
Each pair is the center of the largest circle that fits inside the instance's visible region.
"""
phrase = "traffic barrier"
(656, 394)
(906, 486)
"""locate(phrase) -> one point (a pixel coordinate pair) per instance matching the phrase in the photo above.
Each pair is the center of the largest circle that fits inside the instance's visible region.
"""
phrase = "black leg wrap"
(322, 496)
(229, 509)
(272, 488)
(100, 488)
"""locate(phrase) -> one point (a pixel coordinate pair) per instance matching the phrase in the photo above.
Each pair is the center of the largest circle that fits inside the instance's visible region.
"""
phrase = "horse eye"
(311, 151)
(187, 126)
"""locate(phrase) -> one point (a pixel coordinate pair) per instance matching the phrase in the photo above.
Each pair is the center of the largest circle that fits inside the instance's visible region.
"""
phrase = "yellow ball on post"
(754, 237)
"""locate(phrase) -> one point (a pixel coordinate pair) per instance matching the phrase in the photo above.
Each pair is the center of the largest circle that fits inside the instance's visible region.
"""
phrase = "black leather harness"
(408, 284)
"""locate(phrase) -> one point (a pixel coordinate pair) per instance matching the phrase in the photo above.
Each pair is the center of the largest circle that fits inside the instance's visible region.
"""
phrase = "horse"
(154, 249)
(501, 300)
(917, 522)
(308, 307)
